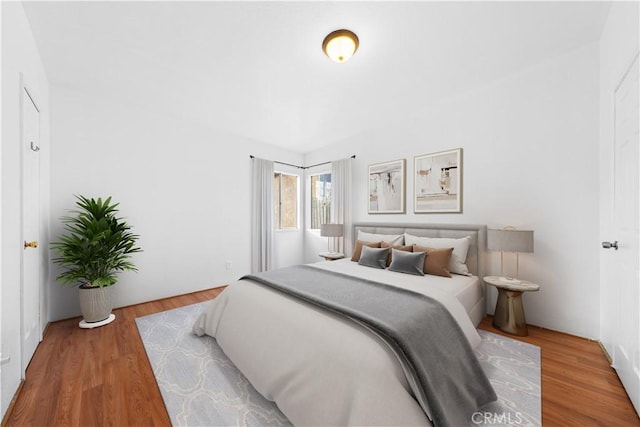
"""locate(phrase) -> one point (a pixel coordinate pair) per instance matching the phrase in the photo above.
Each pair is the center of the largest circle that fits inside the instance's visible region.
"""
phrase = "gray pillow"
(407, 262)
(374, 257)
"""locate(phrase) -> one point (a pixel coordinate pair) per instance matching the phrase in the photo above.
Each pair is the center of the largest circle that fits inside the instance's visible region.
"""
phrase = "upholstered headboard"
(478, 234)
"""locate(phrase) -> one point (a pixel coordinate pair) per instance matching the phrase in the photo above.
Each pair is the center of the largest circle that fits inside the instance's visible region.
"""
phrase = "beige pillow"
(460, 248)
(394, 239)
(357, 249)
(398, 247)
(437, 260)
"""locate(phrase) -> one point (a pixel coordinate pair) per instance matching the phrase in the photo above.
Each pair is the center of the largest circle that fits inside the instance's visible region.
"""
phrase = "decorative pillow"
(394, 239)
(374, 257)
(398, 247)
(408, 262)
(460, 248)
(357, 249)
(437, 260)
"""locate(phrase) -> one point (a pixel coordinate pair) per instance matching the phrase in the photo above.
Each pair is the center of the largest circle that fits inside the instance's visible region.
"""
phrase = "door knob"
(609, 245)
(33, 244)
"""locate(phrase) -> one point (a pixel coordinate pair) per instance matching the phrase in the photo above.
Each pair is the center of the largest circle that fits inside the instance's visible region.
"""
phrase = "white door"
(30, 286)
(624, 286)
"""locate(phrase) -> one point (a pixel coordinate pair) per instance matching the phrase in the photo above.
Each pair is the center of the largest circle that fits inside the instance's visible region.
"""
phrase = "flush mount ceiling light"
(340, 45)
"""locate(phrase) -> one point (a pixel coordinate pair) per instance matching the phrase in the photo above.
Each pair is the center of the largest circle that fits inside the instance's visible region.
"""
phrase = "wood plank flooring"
(95, 377)
(102, 377)
(579, 387)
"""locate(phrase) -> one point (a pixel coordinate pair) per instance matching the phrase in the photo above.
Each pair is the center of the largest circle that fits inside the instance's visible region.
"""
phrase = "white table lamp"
(332, 230)
(510, 240)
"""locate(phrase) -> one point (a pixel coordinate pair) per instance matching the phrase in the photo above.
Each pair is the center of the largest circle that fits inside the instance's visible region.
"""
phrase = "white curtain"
(341, 211)
(261, 215)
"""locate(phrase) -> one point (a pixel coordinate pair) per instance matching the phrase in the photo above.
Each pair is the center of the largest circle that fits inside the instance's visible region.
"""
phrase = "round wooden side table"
(509, 313)
(331, 256)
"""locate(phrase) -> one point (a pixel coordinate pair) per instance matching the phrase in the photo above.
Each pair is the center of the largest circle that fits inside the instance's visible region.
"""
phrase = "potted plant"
(95, 247)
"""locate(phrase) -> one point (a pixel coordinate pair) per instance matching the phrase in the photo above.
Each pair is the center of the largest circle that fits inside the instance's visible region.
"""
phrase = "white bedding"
(320, 368)
(466, 289)
(458, 293)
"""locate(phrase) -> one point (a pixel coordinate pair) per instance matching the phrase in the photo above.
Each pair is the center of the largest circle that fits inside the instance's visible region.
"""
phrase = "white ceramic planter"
(95, 303)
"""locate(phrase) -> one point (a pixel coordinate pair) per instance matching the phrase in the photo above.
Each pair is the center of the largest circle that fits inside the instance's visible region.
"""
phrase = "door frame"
(612, 147)
(610, 229)
(26, 88)
(627, 69)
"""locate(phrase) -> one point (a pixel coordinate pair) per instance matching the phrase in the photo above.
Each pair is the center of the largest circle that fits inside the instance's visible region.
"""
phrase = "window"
(320, 200)
(285, 201)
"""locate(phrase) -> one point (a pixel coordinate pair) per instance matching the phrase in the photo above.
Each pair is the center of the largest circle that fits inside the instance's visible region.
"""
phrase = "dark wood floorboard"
(102, 377)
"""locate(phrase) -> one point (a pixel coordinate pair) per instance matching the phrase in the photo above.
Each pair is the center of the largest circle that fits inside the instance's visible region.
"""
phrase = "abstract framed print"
(387, 187)
(438, 182)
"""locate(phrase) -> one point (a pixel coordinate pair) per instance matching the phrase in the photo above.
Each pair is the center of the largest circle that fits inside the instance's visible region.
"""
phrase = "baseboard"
(604, 350)
(564, 333)
(7, 415)
(174, 296)
(606, 353)
(530, 325)
(143, 302)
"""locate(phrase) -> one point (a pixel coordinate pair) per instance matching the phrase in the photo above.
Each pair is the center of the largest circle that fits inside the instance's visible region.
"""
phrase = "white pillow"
(393, 239)
(460, 249)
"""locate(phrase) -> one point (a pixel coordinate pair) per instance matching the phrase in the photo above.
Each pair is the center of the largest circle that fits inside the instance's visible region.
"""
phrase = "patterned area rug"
(201, 387)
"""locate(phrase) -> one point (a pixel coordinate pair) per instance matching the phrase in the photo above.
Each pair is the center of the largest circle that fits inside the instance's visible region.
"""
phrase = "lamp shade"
(331, 230)
(509, 240)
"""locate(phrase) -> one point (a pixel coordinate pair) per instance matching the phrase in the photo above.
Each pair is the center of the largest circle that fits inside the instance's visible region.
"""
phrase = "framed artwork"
(387, 188)
(438, 182)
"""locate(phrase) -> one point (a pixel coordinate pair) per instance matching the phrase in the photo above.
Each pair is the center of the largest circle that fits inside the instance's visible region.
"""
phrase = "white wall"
(530, 160)
(184, 188)
(619, 44)
(19, 55)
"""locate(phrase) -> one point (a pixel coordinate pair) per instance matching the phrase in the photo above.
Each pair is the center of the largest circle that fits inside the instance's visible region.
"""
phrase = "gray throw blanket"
(441, 366)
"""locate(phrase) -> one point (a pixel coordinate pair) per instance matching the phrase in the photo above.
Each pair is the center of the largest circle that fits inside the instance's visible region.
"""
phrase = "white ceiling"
(256, 69)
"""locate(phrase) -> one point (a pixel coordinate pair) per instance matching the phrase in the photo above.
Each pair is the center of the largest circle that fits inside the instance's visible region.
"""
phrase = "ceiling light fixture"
(340, 45)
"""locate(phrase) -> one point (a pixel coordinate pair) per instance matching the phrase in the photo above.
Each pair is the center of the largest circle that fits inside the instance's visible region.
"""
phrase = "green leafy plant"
(97, 244)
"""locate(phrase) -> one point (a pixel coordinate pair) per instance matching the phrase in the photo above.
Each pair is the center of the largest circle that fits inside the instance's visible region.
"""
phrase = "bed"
(322, 368)
(471, 295)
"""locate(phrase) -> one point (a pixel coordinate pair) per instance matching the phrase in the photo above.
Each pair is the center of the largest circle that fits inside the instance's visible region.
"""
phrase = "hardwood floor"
(579, 387)
(81, 377)
(95, 377)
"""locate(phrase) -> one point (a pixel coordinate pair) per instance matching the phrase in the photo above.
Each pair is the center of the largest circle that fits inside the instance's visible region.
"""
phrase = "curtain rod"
(301, 167)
